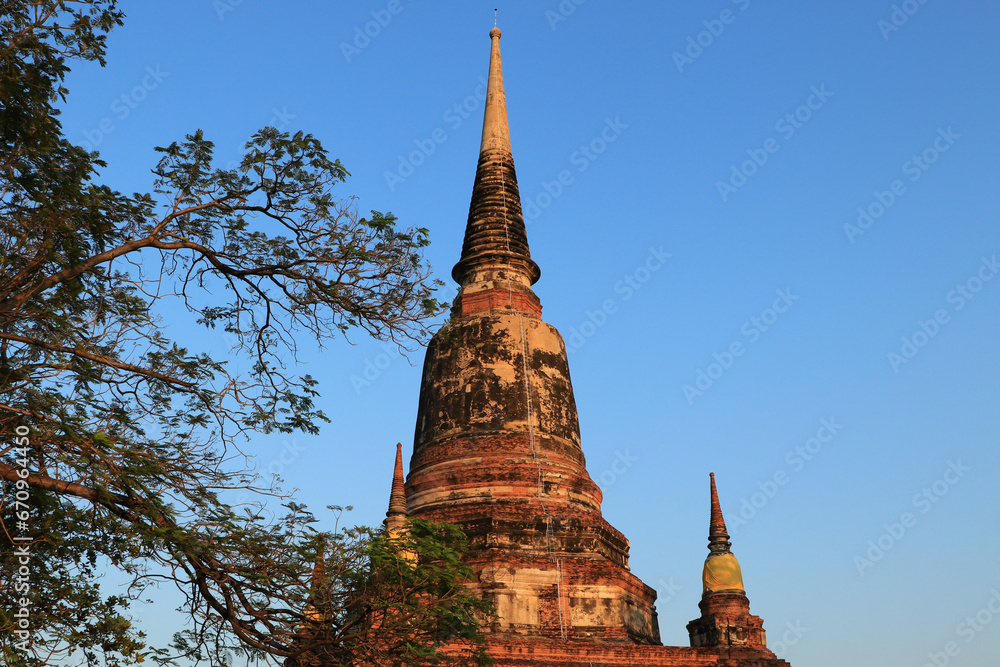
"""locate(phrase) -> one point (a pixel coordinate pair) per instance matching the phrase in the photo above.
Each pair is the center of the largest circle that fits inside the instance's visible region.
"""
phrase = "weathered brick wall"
(497, 451)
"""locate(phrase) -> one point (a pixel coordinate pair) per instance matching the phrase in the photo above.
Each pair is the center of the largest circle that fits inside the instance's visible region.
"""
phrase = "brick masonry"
(497, 451)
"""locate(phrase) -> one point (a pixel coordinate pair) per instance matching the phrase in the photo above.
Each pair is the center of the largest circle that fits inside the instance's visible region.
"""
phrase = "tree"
(120, 443)
(393, 600)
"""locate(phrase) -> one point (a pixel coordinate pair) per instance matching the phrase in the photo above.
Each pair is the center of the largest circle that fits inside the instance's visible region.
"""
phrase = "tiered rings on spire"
(495, 253)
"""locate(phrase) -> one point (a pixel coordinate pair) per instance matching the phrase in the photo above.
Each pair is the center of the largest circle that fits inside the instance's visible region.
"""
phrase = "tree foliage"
(132, 438)
(393, 600)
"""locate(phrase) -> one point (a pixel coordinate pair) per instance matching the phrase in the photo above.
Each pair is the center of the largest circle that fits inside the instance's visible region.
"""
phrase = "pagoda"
(497, 451)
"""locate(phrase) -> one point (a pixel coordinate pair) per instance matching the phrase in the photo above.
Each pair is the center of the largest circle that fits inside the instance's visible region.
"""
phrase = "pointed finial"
(494, 17)
(722, 570)
(495, 250)
(496, 133)
(317, 574)
(718, 537)
(396, 516)
(311, 612)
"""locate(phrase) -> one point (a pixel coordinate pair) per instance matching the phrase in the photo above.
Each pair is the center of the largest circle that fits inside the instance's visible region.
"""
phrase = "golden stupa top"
(721, 573)
(722, 570)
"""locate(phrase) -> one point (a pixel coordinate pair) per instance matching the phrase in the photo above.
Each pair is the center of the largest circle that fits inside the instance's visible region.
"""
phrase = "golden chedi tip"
(722, 571)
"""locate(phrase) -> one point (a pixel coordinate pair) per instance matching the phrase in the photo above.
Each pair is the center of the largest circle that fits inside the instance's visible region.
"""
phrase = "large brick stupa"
(497, 451)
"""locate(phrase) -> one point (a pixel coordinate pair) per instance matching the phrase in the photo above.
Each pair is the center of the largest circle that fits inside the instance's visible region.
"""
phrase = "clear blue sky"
(740, 138)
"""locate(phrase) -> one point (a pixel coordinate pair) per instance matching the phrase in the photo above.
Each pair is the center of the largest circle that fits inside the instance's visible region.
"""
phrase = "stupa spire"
(495, 253)
(496, 130)
(718, 537)
(725, 609)
(395, 517)
(722, 571)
